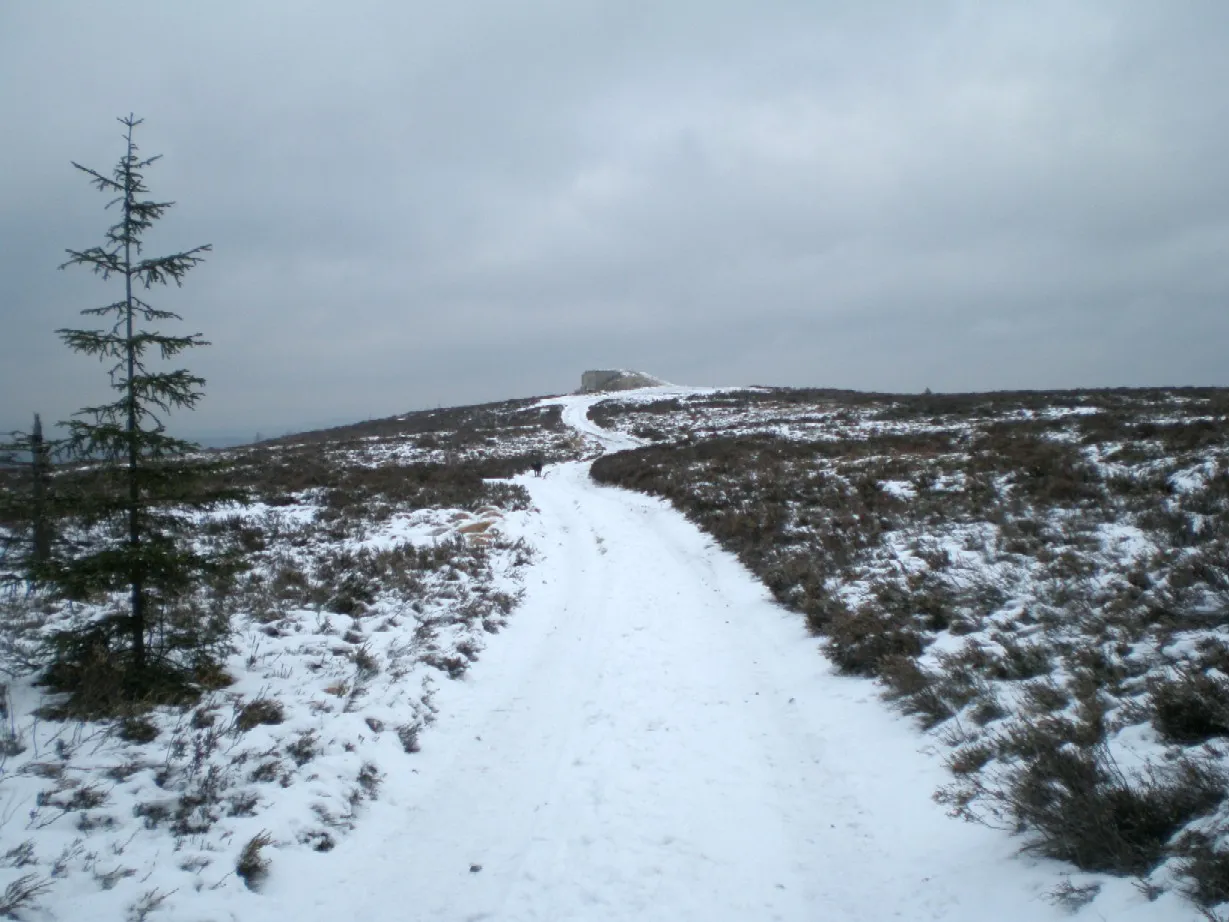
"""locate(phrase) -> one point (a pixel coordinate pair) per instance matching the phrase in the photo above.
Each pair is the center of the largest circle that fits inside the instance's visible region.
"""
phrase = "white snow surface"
(576, 407)
(652, 738)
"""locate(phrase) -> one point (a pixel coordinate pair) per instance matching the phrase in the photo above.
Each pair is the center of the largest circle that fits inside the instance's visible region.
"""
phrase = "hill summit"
(592, 382)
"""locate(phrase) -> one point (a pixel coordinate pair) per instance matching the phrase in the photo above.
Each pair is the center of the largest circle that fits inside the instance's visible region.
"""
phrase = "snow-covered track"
(653, 739)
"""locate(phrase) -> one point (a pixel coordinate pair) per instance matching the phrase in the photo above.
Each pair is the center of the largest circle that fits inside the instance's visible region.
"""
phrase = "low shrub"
(860, 640)
(100, 682)
(1190, 707)
(260, 711)
(138, 730)
(1205, 870)
(1074, 897)
(1044, 696)
(915, 691)
(369, 779)
(252, 866)
(1021, 661)
(971, 758)
(408, 735)
(22, 893)
(270, 770)
(306, 746)
(986, 709)
(365, 661)
(1079, 807)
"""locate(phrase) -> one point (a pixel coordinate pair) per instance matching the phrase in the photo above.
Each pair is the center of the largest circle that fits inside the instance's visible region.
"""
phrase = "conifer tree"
(40, 486)
(143, 477)
(26, 504)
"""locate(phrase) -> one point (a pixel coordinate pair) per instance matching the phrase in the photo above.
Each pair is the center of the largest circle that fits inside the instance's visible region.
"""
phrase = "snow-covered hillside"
(1039, 579)
(555, 700)
(654, 739)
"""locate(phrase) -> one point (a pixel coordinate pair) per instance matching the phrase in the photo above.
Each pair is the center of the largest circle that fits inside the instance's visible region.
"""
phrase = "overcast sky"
(416, 204)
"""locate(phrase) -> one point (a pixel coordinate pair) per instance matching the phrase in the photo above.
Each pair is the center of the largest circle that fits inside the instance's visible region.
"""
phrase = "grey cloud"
(414, 204)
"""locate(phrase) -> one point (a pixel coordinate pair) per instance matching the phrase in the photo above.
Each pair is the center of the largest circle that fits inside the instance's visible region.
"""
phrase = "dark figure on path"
(537, 462)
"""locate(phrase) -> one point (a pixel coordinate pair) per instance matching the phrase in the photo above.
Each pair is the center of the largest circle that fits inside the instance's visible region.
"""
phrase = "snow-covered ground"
(649, 737)
(102, 822)
(575, 412)
(653, 738)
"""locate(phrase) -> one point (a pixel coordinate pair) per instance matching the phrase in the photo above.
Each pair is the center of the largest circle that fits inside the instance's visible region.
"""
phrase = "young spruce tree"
(143, 478)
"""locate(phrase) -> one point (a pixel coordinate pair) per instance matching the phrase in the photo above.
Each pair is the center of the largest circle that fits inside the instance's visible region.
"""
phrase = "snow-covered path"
(575, 414)
(653, 739)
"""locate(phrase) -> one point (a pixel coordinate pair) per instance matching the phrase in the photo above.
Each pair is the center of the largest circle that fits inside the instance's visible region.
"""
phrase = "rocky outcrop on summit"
(592, 382)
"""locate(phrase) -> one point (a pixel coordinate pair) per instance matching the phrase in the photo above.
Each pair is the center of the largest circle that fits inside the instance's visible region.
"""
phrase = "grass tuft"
(252, 866)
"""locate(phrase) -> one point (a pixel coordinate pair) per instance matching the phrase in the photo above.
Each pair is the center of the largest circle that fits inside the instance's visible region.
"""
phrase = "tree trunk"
(136, 571)
(40, 470)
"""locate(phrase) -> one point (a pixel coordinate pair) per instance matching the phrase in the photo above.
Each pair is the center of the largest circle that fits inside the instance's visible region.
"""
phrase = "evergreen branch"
(116, 345)
(93, 342)
(160, 446)
(137, 221)
(168, 389)
(170, 346)
(112, 308)
(102, 262)
(149, 312)
(23, 443)
(97, 179)
(108, 438)
(148, 210)
(115, 415)
(166, 269)
(139, 401)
